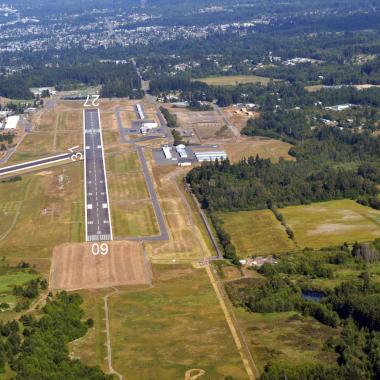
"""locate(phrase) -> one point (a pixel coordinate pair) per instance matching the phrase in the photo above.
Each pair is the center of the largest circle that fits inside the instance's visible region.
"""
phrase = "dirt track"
(75, 267)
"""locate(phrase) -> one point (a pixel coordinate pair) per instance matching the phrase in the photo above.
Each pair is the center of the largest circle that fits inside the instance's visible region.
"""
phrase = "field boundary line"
(241, 345)
(14, 221)
(55, 137)
(108, 333)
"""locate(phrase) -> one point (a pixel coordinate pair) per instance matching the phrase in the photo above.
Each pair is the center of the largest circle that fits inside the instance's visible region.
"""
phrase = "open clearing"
(199, 126)
(332, 223)
(75, 267)
(256, 233)
(177, 325)
(252, 146)
(286, 337)
(49, 212)
(233, 80)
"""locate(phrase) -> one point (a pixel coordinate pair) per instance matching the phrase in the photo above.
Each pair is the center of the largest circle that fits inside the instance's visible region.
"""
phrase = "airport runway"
(98, 220)
(33, 164)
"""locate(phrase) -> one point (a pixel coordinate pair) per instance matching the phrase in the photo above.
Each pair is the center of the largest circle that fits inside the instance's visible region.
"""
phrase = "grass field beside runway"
(49, 211)
(132, 211)
(187, 239)
(133, 219)
(256, 233)
(129, 186)
(332, 223)
(123, 162)
(177, 325)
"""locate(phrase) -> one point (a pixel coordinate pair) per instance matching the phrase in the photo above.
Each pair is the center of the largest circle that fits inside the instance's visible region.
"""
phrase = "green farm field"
(177, 325)
(332, 223)
(256, 233)
(233, 80)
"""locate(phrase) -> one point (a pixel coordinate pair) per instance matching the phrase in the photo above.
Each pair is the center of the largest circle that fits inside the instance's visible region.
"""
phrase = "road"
(230, 126)
(164, 235)
(36, 163)
(98, 220)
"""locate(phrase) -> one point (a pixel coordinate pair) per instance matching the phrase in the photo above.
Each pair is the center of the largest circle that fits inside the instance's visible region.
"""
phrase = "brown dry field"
(205, 124)
(251, 146)
(186, 240)
(75, 267)
(238, 119)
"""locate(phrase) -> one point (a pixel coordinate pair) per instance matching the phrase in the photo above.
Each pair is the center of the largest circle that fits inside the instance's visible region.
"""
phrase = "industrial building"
(148, 126)
(181, 150)
(11, 122)
(140, 111)
(167, 152)
(202, 156)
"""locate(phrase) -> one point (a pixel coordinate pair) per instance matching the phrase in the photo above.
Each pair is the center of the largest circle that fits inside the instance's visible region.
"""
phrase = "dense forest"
(117, 80)
(36, 348)
(255, 183)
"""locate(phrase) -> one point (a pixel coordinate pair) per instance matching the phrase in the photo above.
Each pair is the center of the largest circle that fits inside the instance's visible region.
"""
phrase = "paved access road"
(98, 219)
(32, 164)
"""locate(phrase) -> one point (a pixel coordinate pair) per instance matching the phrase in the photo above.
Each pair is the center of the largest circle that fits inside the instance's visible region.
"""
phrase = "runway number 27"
(99, 248)
(93, 103)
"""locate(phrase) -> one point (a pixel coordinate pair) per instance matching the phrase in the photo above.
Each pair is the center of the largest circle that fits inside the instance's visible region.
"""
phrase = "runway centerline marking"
(98, 217)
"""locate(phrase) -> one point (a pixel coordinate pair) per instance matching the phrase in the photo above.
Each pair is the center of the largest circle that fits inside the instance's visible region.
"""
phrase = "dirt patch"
(75, 267)
(333, 228)
(168, 272)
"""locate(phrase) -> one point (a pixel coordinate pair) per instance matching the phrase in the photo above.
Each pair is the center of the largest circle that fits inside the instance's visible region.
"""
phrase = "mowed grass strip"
(123, 162)
(332, 223)
(133, 219)
(232, 80)
(131, 186)
(256, 233)
(286, 338)
(175, 326)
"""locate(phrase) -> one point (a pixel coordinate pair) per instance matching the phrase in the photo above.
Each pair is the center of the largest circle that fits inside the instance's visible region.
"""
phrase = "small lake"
(311, 295)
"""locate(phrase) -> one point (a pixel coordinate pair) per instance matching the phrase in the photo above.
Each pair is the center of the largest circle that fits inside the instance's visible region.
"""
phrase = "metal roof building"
(140, 111)
(181, 150)
(210, 155)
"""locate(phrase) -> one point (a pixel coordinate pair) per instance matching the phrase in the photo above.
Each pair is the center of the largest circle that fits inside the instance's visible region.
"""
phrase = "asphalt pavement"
(32, 164)
(98, 220)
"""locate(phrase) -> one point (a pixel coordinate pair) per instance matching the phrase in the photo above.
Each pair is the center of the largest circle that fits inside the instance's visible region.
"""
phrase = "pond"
(313, 295)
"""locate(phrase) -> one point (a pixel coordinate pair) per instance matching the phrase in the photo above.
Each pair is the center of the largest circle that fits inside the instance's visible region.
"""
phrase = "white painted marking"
(105, 205)
(89, 206)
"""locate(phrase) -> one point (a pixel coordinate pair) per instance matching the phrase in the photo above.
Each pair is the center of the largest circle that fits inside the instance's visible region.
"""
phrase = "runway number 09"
(99, 248)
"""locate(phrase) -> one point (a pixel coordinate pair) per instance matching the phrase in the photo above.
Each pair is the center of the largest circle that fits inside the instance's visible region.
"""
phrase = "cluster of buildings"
(183, 155)
(145, 126)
